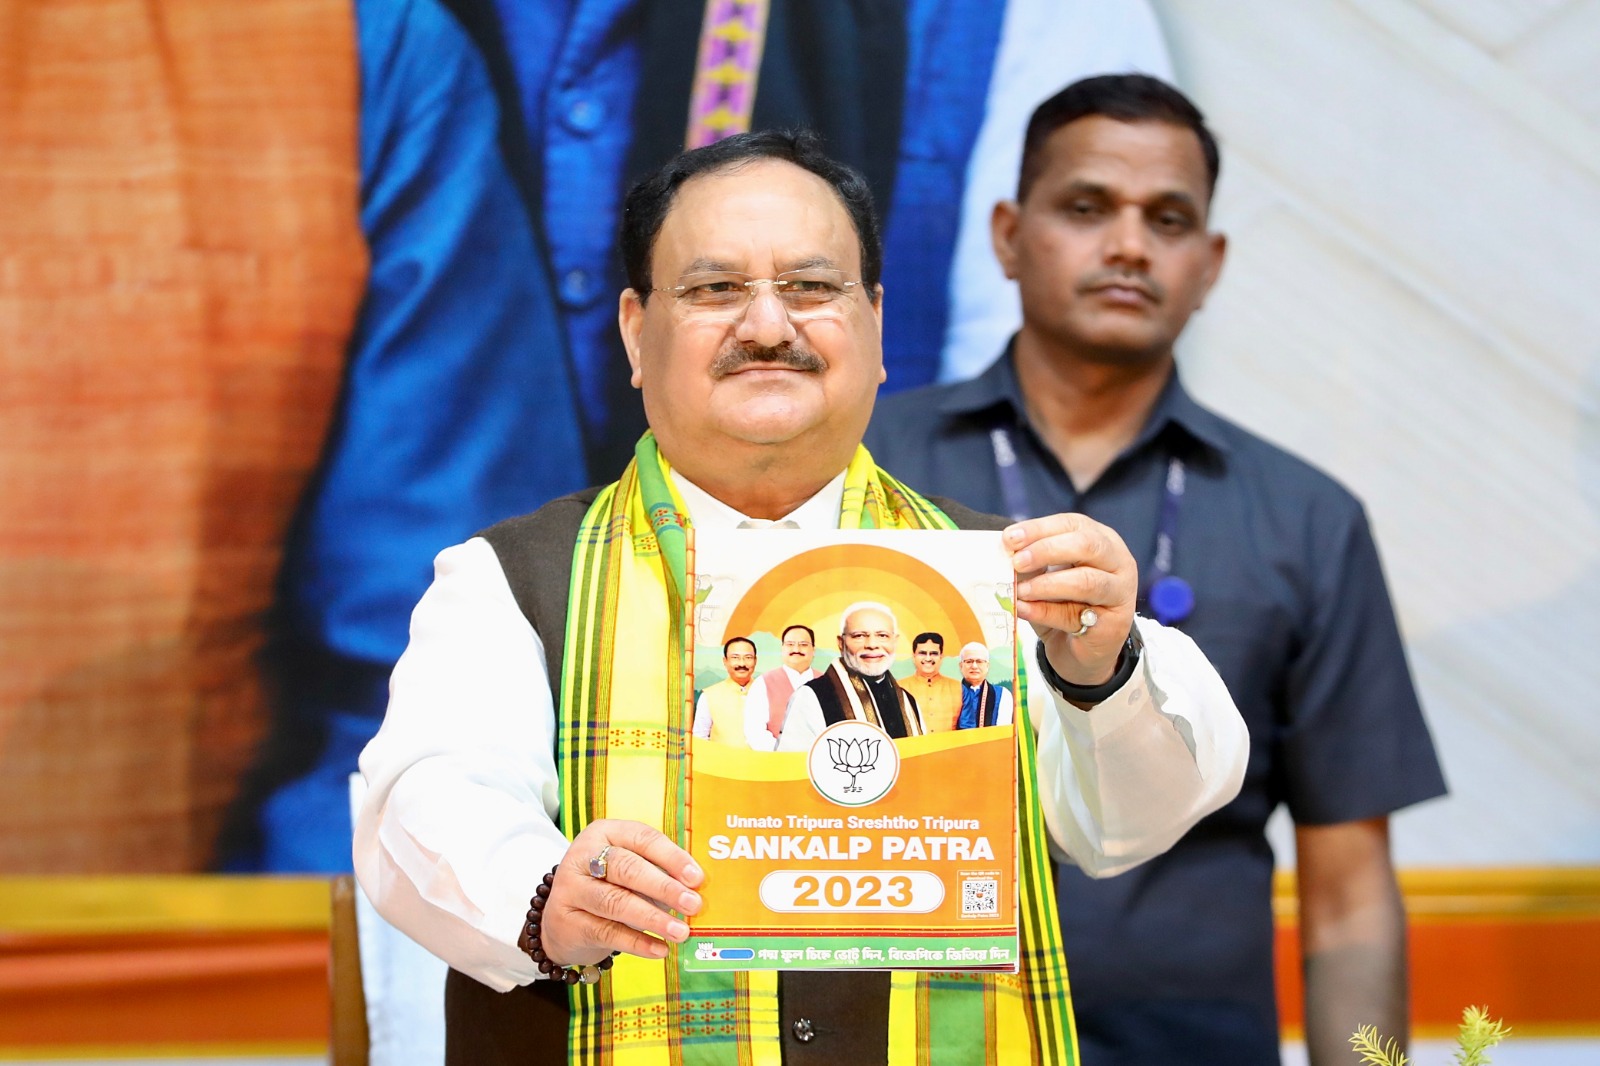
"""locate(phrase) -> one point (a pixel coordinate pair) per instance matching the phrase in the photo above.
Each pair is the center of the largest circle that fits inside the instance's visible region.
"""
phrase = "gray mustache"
(784, 356)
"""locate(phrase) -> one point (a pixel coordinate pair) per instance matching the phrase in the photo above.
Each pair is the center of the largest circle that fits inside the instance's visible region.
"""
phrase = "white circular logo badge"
(853, 763)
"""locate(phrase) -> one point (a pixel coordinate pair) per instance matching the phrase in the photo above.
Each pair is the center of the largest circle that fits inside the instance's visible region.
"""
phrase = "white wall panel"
(1560, 56)
(1412, 301)
(1492, 24)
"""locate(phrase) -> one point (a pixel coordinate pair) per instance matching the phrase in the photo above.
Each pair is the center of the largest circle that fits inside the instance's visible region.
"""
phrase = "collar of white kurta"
(821, 511)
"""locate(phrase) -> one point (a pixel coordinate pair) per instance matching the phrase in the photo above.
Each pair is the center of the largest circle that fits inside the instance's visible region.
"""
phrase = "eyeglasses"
(725, 295)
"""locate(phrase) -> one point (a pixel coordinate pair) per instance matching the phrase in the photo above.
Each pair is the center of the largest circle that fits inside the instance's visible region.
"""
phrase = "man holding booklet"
(526, 791)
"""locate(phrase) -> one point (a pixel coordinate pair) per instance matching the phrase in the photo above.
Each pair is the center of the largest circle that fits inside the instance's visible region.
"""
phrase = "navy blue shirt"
(1172, 961)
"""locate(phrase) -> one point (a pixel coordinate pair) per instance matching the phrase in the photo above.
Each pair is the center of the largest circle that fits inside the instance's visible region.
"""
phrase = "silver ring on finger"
(597, 865)
(1086, 622)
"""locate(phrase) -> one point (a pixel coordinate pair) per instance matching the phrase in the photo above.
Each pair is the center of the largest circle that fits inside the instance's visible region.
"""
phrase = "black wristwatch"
(1127, 663)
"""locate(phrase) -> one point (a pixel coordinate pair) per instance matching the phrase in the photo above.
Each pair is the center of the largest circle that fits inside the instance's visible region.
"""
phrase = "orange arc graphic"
(815, 587)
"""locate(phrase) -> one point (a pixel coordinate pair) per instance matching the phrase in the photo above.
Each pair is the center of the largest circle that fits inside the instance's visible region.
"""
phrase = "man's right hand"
(647, 875)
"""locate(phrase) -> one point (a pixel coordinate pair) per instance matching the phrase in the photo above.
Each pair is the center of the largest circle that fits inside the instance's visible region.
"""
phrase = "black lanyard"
(1168, 597)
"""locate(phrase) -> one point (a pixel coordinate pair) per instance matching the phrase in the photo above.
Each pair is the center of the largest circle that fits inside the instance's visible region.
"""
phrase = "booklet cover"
(852, 780)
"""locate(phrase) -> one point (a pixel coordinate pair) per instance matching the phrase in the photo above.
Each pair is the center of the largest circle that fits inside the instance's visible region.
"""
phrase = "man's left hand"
(1066, 563)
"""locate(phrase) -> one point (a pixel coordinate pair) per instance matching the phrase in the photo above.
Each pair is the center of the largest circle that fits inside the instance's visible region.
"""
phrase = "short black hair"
(923, 638)
(1125, 98)
(811, 636)
(738, 640)
(648, 202)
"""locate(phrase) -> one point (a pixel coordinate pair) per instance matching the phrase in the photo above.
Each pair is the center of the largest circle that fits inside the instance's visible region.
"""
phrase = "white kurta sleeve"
(1121, 783)
(802, 722)
(459, 822)
(702, 718)
(757, 713)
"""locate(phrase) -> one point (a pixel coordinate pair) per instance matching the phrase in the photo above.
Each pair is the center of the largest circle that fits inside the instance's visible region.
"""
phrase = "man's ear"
(630, 322)
(1003, 234)
(1218, 253)
(877, 313)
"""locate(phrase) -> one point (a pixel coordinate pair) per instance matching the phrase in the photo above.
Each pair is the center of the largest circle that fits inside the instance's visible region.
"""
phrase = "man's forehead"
(765, 213)
(1149, 156)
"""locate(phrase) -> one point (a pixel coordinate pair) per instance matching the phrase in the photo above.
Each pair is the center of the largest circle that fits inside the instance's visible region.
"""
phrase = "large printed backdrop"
(180, 265)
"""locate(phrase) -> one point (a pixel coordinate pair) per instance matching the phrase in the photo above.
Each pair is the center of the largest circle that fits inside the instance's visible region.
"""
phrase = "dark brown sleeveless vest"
(824, 1018)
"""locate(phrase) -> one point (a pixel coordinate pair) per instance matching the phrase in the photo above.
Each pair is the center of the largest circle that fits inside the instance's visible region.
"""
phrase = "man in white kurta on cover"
(773, 688)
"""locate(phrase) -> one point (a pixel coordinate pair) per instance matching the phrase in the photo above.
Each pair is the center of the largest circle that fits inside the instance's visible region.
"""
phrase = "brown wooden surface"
(180, 266)
(348, 1038)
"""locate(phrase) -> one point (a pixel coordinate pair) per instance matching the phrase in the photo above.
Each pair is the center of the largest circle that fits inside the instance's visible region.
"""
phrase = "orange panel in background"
(1525, 943)
(1544, 973)
(198, 965)
(119, 966)
(165, 990)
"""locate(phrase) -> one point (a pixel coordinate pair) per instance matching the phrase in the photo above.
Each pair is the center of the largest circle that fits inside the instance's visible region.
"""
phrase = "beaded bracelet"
(529, 942)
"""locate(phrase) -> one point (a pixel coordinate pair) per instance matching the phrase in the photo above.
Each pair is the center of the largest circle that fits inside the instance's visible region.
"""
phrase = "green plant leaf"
(1368, 1042)
(1478, 1034)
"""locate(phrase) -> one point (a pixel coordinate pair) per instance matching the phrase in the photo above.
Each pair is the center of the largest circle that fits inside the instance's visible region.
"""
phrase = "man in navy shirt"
(1265, 561)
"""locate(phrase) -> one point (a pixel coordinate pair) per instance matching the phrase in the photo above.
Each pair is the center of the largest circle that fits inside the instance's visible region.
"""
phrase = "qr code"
(980, 897)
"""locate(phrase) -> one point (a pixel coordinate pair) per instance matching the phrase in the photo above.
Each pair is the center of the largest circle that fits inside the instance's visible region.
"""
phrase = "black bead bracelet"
(529, 942)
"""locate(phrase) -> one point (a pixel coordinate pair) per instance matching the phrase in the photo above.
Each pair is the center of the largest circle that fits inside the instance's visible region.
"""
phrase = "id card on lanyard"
(1168, 597)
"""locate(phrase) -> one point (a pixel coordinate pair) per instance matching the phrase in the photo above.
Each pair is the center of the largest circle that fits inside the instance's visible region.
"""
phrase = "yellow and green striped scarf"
(621, 747)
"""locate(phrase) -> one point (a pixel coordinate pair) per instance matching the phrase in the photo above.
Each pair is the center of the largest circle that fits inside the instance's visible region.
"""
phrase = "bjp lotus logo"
(854, 757)
(853, 763)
